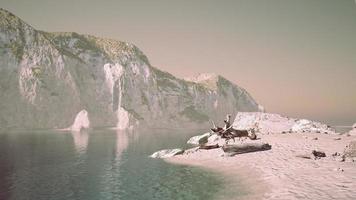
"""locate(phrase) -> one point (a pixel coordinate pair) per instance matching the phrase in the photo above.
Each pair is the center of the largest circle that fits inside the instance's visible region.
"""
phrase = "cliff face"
(47, 78)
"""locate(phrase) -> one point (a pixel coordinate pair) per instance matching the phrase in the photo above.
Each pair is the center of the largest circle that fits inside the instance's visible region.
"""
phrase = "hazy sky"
(295, 57)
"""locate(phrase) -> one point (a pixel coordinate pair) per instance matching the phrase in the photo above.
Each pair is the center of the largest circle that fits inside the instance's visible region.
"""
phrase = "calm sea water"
(342, 129)
(100, 165)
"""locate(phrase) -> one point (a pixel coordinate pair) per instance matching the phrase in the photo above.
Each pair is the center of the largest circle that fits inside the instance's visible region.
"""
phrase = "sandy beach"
(279, 173)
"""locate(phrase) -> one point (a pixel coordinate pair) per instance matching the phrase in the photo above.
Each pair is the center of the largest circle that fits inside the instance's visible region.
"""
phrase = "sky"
(295, 57)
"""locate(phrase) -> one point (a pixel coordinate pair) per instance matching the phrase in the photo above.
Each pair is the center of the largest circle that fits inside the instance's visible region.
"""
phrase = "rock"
(336, 154)
(166, 153)
(199, 139)
(318, 154)
(191, 150)
(353, 131)
(213, 138)
(81, 121)
(304, 125)
(264, 123)
(315, 138)
(350, 159)
(274, 123)
(350, 150)
(339, 169)
(338, 157)
(337, 138)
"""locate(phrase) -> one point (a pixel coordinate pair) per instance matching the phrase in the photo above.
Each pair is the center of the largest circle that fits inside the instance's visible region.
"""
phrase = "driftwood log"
(207, 147)
(245, 148)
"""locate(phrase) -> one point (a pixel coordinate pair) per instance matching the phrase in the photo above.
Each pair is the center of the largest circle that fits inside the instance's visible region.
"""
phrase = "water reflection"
(97, 164)
(122, 142)
(80, 139)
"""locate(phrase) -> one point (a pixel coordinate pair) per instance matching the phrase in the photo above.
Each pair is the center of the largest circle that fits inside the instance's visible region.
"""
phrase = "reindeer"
(215, 129)
(241, 133)
(222, 131)
(228, 132)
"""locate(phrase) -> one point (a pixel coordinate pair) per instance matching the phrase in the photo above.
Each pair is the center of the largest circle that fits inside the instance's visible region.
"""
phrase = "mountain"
(46, 79)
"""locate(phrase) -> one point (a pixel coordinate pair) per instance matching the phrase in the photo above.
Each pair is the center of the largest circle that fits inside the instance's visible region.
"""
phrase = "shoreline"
(278, 173)
(251, 187)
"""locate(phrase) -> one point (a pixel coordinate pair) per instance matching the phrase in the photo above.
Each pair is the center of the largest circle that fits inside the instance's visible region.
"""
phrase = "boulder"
(338, 157)
(318, 154)
(304, 125)
(166, 153)
(191, 150)
(266, 123)
(199, 139)
(338, 169)
(350, 150)
(81, 121)
(353, 131)
(213, 138)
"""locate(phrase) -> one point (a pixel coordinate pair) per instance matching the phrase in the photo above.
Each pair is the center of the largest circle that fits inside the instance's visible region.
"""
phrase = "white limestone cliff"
(50, 76)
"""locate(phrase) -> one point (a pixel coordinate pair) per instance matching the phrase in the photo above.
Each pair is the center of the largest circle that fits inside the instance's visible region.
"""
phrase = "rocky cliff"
(46, 79)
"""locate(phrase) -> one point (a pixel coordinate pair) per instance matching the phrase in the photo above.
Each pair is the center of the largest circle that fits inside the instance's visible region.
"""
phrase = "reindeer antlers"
(212, 122)
(227, 129)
